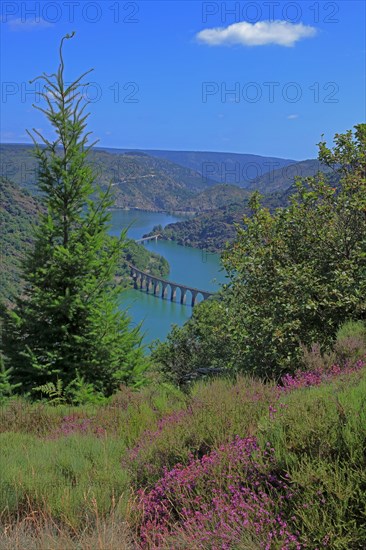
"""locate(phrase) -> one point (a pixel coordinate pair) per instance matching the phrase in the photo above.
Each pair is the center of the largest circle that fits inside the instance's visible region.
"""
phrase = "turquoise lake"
(189, 266)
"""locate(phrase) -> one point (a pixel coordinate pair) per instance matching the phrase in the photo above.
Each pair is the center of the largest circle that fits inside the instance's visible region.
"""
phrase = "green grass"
(62, 477)
(319, 437)
(78, 491)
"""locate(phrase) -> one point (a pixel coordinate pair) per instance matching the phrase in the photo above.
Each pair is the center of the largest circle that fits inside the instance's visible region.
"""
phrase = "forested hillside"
(19, 213)
(212, 230)
(230, 168)
(148, 182)
(138, 180)
(282, 178)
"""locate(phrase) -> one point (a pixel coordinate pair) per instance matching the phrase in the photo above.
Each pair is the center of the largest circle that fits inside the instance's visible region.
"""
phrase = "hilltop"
(282, 178)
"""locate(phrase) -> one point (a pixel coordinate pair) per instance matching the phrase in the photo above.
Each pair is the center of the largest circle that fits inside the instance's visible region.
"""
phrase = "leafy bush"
(298, 274)
(199, 349)
(351, 341)
(352, 329)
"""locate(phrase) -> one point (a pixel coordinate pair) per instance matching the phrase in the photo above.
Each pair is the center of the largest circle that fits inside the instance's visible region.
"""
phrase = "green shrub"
(350, 345)
(202, 346)
(298, 273)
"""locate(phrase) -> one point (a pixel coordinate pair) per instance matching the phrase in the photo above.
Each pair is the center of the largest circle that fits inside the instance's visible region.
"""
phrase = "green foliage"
(18, 213)
(350, 345)
(80, 392)
(298, 274)
(7, 388)
(68, 320)
(200, 348)
(54, 392)
(139, 256)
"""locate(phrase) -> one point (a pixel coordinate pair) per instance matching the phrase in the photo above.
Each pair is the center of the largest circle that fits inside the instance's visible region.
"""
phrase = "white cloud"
(21, 24)
(292, 117)
(261, 33)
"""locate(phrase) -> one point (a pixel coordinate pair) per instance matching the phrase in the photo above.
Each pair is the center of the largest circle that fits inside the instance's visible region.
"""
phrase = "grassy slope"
(309, 464)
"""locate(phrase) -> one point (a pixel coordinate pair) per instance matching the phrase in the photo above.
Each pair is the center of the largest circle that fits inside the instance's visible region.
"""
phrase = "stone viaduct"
(165, 289)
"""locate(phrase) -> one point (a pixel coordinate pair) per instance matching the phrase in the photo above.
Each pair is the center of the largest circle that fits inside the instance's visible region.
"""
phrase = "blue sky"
(269, 80)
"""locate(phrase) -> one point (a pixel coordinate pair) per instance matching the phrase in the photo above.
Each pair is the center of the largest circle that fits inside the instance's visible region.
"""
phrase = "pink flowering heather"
(215, 499)
(303, 379)
(73, 424)
(230, 493)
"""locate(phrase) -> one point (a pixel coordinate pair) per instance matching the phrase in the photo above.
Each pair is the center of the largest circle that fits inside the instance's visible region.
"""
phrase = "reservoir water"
(189, 266)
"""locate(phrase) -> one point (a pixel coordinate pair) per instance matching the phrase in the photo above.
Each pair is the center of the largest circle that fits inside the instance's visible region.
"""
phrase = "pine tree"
(68, 322)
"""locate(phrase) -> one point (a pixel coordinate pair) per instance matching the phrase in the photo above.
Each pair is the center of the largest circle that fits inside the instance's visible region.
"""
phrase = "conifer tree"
(68, 323)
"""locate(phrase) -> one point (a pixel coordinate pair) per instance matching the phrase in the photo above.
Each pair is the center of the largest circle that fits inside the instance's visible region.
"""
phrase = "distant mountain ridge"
(232, 168)
(283, 178)
(138, 181)
(143, 181)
